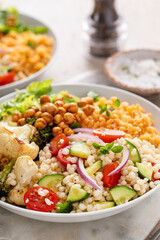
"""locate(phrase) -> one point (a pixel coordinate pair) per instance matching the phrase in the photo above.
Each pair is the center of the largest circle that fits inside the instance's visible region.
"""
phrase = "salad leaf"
(40, 88)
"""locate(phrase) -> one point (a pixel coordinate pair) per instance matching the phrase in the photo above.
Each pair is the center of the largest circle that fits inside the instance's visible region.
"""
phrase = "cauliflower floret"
(15, 141)
(24, 169)
(16, 195)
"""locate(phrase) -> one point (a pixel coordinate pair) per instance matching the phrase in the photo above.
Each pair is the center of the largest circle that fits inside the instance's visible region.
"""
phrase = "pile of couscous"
(67, 154)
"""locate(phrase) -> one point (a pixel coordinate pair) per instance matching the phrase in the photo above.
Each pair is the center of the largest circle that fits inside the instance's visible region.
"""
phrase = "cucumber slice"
(144, 170)
(104, 205)
(50, 181)
(94, 167)
(77, 194)
(135, 158)
(80, 149)
(121, 194)
(64, 207)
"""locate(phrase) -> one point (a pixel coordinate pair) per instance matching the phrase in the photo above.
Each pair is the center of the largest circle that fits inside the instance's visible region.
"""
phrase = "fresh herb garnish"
(117, 103)
(103, 108)
(107, 113)
(111, 109)
(103, 150)
(31, 44)
(93, 95)
(124, 68)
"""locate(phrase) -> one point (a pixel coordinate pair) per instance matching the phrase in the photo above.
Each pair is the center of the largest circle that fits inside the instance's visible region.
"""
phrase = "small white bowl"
(28, 20)
(113, 63)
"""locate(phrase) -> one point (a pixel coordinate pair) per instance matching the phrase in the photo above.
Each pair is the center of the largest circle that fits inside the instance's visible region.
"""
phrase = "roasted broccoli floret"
(4, 188)
(42, 136)
(31, 121)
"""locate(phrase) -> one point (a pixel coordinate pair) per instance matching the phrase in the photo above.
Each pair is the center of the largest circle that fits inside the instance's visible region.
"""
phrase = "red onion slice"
(83, 130)
(124, 161)
(84, 175)
(85, 136)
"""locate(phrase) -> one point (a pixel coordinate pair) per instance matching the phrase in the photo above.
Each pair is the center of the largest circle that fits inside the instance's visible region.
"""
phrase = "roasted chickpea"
(44, 99)
(68, 131)
(63, 125)
(51, 124)
(59, 99)
(21, 121)
(50, 108)
(38, 114)
(40, 123)
(66, 105)
(35, 108)
(68, 118)
(61, 110)
(16, 116)
(47, 117)
(58, 118)
(80, 116)
(68, 95)
(84, 101)
(88, 109)
(56, 130)
(59, 103)
(73, 108)
(29, 113)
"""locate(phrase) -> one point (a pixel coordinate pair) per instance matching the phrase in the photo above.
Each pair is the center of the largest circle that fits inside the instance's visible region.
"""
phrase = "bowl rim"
(64, 216)
(46, 67)
(110, 60)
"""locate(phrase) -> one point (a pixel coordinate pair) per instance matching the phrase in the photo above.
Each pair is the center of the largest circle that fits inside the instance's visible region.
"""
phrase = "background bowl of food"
(27, 49)
(135, 70)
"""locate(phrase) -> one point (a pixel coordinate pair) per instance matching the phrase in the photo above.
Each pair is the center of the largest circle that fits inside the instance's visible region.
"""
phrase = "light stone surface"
(66, 16)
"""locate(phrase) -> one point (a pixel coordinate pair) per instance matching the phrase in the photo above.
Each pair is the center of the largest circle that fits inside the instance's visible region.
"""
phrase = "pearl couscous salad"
(64, 154)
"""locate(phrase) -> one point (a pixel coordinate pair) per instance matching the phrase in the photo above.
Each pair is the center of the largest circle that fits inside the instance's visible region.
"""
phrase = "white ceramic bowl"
(28, 20)
(119, 59)
(81, 90)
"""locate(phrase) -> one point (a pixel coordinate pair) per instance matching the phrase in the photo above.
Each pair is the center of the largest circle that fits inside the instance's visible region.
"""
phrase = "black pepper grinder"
(104, 30)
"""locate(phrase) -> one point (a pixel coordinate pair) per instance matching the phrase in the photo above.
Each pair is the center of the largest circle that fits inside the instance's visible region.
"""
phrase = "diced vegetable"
(84, 175)
(111, 181)
(136, 157)
(50, 181)
(64, 207)
(58, 142)
(104, 205)
(77, 194)
(94, 167)
(108, 135)
(122, 194)
(80, 149)
(144, 170)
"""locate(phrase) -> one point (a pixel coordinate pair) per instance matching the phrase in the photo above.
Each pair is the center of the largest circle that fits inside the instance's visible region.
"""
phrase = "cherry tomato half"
(111, 181)
(58, 142)
(36, 202)
(154, 179)
(63, 158)
(7, 78)
(108, 135)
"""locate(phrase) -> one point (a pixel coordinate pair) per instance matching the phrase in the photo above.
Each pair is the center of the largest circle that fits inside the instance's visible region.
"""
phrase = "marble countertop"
(137, 222)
